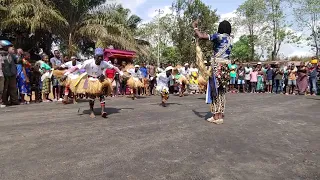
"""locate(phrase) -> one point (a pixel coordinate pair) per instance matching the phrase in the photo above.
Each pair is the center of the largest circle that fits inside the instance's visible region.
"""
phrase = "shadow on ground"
(202, 115)
(97, 111)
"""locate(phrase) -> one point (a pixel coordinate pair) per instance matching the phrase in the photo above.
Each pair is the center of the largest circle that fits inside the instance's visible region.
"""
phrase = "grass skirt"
(134, 83)
(92, 86)
(202, 83)
(183, 80)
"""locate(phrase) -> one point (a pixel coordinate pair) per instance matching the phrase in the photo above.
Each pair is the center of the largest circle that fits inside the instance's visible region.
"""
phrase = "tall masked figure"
(217, 73)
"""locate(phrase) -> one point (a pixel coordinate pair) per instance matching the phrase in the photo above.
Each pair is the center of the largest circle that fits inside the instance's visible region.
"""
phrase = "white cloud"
(130, 4)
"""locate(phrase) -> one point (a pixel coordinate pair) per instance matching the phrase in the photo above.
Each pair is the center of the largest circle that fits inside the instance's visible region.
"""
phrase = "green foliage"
(241, 50)
(74, 24)
(250, 15)
(183, 34)
(307, 14)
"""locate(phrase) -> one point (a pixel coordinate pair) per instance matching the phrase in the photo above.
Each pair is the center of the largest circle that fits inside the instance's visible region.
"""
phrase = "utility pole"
(159, 11)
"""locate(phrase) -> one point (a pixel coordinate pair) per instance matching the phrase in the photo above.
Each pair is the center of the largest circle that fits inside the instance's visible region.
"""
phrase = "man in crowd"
(56, 62)
(9, 70)
(278, 79)
(185, 71)
(152, 77)
(247, 70)
(269, 74)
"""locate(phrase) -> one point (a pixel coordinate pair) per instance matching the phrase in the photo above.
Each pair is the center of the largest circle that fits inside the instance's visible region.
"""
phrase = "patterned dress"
(219, 79)
(24, 87)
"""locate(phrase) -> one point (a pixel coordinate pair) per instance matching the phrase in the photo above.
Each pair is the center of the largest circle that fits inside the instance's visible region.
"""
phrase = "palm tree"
(91, 19)
(73, 21)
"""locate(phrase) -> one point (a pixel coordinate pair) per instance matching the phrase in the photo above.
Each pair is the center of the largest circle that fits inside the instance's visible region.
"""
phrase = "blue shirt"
(144, 72)
(219, 42)
(269, 74)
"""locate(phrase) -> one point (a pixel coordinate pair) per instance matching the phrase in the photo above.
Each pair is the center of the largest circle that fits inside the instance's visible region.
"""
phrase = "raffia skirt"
(90, 85)
(134, 83)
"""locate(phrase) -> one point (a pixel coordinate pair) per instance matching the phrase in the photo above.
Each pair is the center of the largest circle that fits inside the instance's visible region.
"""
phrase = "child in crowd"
(46, 72)
(253, 80)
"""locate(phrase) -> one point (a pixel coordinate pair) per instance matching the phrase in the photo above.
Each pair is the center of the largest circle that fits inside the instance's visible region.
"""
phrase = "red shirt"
(110, 73)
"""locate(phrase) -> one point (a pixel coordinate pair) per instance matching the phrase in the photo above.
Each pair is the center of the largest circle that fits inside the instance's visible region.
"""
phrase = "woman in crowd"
(302, 80)
(260, 79)
(23, 78)
(254, 80)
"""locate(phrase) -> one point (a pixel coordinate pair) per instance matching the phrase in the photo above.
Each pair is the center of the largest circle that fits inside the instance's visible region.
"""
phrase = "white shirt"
(194, 70)
(185, 72)
(159, 70)
(94, 70)
(69, 64)
(135, 74)
(163, 80)
(55, 61)
(247, 73)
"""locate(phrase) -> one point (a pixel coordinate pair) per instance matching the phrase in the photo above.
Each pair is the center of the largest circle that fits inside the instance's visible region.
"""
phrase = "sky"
(146, 9)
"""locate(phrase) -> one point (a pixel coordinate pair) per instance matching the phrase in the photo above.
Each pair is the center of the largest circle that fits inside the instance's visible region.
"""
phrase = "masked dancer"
(93, 81)
(163, 80)
(218, 78)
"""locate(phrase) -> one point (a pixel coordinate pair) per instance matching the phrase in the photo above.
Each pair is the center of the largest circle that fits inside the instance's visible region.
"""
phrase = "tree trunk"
(70, 49)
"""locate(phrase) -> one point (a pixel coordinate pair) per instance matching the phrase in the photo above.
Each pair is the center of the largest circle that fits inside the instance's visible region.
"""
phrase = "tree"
(307, 14)
(251, 14)
(29, 23)
(241, 49)
(71, 23)
(183, 34)
(278, 27)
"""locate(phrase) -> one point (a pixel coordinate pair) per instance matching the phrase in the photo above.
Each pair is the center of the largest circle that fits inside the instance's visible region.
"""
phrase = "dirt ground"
(265, 136)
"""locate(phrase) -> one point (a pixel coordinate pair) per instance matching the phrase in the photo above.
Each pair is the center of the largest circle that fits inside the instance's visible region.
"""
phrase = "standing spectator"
(185, 71)
(144, 70)
(110, 74)
(302, 79)
(1, 77)
(20, 55)
(292, 79)
(66, 59)
(269, 77)
(10, 72)
(278, 79)
(56, 62)
(23, 78)
(285, 79)
(313, 76)
(116, 78)
(160, 69)
(254, 80)
(247, 70)
(240, 75)
(45, 70)
(260, 82)
(152, 77)
(233, 75)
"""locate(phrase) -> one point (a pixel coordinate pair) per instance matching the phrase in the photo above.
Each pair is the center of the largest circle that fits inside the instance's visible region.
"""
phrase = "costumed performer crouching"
(93, 81)
(73, 66)
(134, 82)
(162, 84)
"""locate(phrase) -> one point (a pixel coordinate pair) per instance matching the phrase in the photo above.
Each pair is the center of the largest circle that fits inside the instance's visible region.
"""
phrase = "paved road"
(264, 137)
